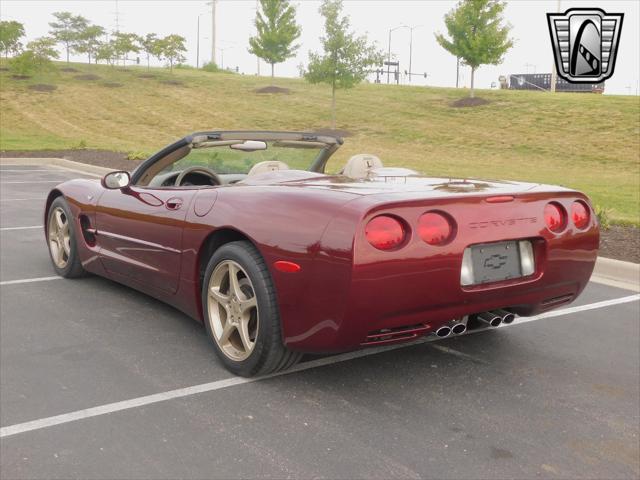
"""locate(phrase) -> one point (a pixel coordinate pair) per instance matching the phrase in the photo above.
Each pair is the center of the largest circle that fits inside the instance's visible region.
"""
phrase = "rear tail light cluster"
(386, 232)
(435, 228)
(556, 218)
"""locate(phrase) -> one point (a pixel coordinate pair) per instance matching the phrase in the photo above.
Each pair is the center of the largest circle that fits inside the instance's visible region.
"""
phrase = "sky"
(531, 53)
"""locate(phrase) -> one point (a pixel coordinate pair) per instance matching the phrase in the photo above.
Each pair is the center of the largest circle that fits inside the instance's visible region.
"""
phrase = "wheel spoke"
(221, 298)
(227, 330)
(66, 245)
(243, 330)
(247, 305)
(234, 286)
(60, 223)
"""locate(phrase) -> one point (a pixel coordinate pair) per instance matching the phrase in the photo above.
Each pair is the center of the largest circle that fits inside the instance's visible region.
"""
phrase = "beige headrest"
(268, 166)
(360, 166)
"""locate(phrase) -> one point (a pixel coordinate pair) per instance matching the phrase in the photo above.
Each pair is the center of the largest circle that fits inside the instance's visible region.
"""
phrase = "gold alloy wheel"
(233, 310)
(59, 237)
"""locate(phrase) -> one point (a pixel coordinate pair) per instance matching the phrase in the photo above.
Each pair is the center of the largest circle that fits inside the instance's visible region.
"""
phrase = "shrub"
(211, 67)
(137, 156)
(81, 145)
(604, 217)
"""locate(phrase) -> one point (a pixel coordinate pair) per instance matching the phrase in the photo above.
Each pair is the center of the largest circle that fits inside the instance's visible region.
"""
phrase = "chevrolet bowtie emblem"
(585, 43)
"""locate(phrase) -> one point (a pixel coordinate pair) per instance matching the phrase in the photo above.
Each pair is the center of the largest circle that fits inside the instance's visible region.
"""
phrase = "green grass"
(583, 141)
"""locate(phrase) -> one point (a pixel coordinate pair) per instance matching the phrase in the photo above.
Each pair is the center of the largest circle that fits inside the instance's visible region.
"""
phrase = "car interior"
(225, 162)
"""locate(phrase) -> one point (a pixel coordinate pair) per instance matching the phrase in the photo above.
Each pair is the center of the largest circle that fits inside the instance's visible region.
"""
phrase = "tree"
(171, 48)
(44, 49)
(106, 52)
(123, 43)
(88, 40)
(477, 34)
(67, 29)
(149, 45)
(277, 31)
(346, 59)
(36, 57)
(10, 34)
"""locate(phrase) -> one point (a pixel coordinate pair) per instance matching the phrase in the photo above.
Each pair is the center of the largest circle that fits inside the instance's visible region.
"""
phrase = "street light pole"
(411, 47)
(389, 53)
(554, 72)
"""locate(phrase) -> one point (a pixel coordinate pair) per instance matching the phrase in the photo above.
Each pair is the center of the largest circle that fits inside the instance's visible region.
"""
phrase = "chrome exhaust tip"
(458, 329)
(443, 331)
(507, 317)
(490, 318)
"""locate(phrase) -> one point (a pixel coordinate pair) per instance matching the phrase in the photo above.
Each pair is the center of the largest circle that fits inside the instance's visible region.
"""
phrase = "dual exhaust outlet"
(493, 318)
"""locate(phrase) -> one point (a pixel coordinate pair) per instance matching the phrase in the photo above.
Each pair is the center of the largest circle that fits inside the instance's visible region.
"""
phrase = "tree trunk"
(272, 65)
(333, 105)
(67, 53)
(148, 67)
(473, 72)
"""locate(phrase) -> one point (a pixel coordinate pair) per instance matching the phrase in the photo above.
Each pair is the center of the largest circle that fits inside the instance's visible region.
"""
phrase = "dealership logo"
(585, 43)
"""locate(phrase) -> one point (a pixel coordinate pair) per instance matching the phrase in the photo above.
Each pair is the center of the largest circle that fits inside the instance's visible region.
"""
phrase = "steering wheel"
(197, 169)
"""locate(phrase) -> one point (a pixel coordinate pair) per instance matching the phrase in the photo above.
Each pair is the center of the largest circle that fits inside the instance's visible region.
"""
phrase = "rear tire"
(62, 240)
(242, 316)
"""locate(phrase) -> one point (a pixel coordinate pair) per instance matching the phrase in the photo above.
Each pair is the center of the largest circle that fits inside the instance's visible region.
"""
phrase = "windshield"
(231, 159)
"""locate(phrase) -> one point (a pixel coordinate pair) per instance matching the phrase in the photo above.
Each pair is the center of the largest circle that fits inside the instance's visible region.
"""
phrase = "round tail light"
(385, 232)
(580, 214)
(435, 228)
(555, 217)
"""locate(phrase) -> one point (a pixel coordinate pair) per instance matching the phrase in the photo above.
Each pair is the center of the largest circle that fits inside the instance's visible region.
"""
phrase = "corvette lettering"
(503, 223)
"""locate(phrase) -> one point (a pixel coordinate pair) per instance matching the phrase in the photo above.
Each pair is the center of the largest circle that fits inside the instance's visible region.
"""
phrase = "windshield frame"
(141, 176)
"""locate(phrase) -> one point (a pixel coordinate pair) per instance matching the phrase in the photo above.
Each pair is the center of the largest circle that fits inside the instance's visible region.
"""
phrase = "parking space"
(554, 397)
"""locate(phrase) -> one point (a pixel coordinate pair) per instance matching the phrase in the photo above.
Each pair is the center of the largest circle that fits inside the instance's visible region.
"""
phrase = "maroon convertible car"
(246, 233)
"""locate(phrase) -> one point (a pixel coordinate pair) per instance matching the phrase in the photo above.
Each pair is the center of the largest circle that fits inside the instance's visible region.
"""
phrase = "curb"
(607, 271)
(58, 162)
(617, 273)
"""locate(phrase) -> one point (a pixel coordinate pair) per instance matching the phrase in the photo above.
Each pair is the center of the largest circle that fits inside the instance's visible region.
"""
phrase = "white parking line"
(32, 181)
(231, 382)
(22, 199)
(25, 171)
(29, 280)
(4, 229)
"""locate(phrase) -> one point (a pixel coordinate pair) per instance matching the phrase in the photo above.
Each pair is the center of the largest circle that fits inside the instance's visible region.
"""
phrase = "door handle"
(174, 203)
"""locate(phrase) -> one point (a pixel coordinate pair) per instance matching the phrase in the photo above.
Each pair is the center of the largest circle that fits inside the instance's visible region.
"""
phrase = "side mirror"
(116, 180)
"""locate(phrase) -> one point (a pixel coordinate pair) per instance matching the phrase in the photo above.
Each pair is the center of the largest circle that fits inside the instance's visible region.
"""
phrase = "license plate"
(494, 262)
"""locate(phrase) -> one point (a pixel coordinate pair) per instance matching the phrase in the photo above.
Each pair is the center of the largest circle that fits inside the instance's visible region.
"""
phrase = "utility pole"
(257, 57)
(213, 30)
(554, 73)
(389, 54)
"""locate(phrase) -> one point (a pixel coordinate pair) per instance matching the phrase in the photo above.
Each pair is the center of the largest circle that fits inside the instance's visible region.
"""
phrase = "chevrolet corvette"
(246, 233)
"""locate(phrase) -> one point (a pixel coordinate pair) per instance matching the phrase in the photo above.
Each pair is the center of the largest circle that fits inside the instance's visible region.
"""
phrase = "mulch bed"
(112, 85)
(175, 83)
(87, 76)
(469, 102)
(147, 75)
(20, 77)
(621, 242)
(4, 69)
(273, 89)
(69, 69)
(42, 87)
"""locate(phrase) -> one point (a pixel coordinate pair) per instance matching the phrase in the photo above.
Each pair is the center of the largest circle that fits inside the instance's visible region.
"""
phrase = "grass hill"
(588, 142)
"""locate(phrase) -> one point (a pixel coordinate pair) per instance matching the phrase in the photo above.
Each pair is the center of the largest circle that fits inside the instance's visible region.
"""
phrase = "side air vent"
(88, 232)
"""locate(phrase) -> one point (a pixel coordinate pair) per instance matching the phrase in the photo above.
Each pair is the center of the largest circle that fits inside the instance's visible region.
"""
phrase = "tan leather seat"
(267, 166)
(361, 166)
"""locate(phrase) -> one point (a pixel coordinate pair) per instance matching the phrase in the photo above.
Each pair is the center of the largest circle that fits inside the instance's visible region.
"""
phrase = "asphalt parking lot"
(556, 397)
